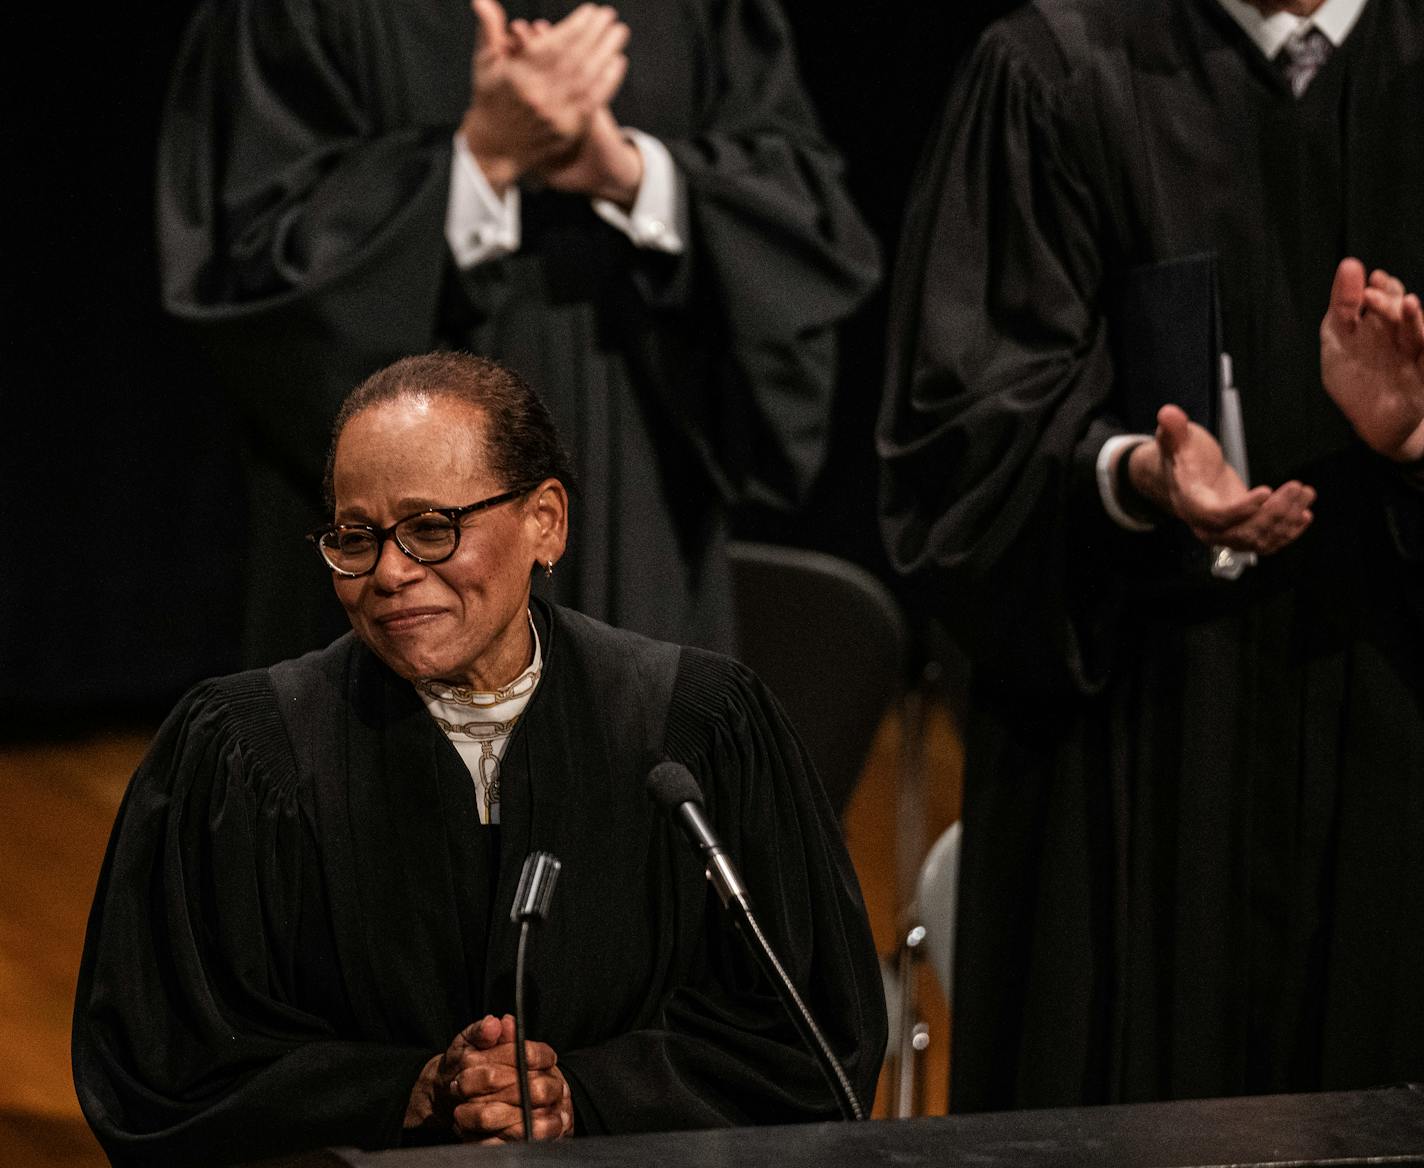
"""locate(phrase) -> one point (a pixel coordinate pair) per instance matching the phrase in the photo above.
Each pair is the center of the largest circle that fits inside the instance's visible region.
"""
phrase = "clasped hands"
(472, 1090)
(539, 95)
(1372, 366)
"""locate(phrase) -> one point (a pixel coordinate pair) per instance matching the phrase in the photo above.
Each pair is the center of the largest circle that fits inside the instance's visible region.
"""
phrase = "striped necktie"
(1302, 56)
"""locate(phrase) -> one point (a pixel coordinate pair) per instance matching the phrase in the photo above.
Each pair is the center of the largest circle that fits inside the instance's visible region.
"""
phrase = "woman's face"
(461, 621)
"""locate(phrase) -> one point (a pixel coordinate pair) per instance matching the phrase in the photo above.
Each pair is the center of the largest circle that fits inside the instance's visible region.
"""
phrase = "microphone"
(671, 786)
(531, 905)
(536, 888)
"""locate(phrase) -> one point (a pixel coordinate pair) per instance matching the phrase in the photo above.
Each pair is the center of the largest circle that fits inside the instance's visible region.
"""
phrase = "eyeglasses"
(427, 537)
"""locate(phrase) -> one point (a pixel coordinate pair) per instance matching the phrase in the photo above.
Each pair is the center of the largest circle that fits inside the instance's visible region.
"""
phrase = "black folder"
(1166, 341)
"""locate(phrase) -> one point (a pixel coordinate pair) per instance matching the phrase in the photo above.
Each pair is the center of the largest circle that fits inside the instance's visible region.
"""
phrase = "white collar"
(1335, 18)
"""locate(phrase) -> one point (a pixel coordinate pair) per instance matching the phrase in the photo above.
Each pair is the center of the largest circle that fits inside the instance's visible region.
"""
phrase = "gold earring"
(548, 569)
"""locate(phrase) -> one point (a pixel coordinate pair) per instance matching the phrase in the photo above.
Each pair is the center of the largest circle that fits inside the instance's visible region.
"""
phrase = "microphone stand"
(531, 904)
(800, 1013)
(672, 786)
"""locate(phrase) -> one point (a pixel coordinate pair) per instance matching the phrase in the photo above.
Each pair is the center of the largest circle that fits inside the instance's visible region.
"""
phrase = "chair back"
(937, 905)
(830, 641)
(928, 937)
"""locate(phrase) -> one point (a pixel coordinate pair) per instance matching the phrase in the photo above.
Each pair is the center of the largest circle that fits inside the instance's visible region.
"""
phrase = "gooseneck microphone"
(671, 786)
(531, 904)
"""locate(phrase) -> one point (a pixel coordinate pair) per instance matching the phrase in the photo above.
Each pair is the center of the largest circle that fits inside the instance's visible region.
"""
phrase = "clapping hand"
(1184, 473)
(535, 87)
(1372, 360)
(603, 164)
(1372, 366)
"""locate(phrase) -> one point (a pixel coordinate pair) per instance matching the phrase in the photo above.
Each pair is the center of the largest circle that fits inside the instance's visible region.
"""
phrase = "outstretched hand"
(532, 96)
(1183, 472)
(472, 1090)
(1372, 359)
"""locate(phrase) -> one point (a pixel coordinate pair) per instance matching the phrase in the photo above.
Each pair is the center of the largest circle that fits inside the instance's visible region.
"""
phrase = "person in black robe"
(305, 183)
(302, 935)
(1192, 802)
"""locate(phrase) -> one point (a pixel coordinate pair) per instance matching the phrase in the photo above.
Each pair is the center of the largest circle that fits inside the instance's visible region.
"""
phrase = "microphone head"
(536, 887)
(670, 784)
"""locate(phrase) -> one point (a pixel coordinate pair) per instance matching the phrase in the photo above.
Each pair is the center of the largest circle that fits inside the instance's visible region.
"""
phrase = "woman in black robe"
(304, 175)
(301, 934)
(1192, 804)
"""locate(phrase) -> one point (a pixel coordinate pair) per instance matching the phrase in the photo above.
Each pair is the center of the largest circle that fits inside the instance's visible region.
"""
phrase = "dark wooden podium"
(1384, 1126)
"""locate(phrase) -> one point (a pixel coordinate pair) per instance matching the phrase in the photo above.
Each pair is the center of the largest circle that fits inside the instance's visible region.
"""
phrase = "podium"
(1383, 1126)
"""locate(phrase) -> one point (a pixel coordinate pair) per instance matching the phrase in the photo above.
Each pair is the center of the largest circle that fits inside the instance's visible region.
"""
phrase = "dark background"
(118, 472)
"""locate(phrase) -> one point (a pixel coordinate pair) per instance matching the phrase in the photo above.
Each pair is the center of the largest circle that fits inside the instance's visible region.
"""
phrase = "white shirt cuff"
(479, 224)
(658, 220)
(1107, 479)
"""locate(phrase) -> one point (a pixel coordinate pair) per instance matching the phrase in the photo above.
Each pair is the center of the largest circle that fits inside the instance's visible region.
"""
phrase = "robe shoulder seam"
(701, 698)
(244, 713)
(1030, 49)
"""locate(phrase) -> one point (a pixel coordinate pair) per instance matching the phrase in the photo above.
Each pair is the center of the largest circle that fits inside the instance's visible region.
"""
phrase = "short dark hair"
(521, 444)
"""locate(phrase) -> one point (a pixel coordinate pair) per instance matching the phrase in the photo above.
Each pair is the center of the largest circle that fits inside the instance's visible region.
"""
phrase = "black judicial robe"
(299, 907)
(1194, 808)
(303, 175)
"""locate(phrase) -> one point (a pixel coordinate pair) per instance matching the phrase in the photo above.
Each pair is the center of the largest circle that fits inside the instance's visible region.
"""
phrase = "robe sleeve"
(778, 253)
(300, 221)
(723, 1050)
(1000, 375)
(195, 1038)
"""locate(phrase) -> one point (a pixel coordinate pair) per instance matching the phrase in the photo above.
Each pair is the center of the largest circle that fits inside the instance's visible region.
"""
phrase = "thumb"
(1172, 430)
(1347, 291)
(492, 36)
(483, 1034)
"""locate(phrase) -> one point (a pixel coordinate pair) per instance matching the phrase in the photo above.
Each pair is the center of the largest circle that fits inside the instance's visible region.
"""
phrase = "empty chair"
(928, 939)
(829, 639)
